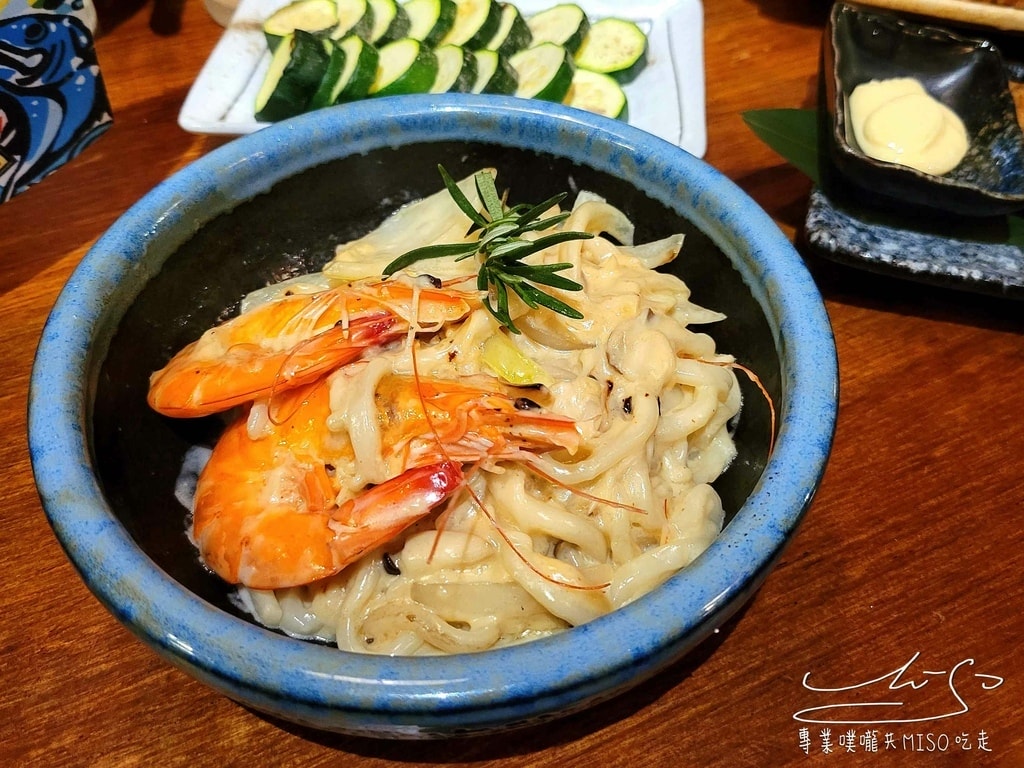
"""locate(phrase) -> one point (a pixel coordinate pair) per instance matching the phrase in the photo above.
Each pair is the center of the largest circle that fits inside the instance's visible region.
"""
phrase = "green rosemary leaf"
(547, 223)
(501, 312)
(560, 237)
(495, 231)
(535, 297)
(512, 250)
(489, 195)
(462, 250)
(545, 275)
(502, 248)
(460, 199)
(533, 212)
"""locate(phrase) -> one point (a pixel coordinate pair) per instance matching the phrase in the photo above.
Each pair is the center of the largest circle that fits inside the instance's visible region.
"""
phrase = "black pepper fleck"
(390, 566)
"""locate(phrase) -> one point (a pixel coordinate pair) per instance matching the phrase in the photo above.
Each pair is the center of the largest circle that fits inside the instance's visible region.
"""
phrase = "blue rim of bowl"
(325, 687)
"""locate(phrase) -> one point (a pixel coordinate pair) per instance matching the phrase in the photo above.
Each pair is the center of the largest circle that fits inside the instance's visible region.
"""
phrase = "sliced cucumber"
(295, 71)
(390, 22)
(351, 70)
(456, 69)
(323, 96)
(494, 74)
(513, 33)
(615, 47)
(544, 71)
(566, 25)
(476, 21)
(430, 20)
(318, 16)
(405, 66)
(597, 92)
(355, 17)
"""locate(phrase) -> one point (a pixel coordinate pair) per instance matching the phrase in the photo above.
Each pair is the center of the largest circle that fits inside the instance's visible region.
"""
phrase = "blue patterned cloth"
(52, 100)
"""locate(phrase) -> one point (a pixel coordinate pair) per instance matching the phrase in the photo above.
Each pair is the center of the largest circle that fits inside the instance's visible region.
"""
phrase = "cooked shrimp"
(293, 341)
(266, 512)
(465, 421)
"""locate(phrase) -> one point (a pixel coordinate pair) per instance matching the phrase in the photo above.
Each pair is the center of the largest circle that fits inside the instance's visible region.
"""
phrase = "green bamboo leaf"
(1015, 226)
(793, 133)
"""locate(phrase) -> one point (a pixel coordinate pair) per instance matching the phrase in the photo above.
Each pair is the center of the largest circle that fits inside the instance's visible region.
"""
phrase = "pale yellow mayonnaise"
(898, 121)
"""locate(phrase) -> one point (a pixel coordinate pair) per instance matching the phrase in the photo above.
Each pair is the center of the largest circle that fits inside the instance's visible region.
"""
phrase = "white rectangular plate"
(666, 99)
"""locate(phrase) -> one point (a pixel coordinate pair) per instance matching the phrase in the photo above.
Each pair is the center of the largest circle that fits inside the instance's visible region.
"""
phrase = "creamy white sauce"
(898, 121)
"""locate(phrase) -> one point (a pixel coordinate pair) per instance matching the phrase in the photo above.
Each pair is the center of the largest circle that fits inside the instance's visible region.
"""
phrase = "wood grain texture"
(914, 544)
(996, 14)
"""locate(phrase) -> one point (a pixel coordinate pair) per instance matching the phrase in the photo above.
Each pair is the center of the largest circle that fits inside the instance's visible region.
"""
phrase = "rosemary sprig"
(502, 248)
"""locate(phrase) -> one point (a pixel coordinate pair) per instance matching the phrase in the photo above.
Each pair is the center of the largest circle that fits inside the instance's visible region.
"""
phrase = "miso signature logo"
(908, 694)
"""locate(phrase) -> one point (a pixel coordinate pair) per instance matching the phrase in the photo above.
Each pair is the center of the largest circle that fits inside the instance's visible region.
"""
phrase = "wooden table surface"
(910, 558)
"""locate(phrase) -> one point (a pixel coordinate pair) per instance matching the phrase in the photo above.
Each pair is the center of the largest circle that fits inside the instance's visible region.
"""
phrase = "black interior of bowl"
(294, 229)
(966, 74)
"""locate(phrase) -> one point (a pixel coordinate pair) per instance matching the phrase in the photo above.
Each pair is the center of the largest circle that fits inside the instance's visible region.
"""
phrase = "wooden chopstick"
(1006, 15)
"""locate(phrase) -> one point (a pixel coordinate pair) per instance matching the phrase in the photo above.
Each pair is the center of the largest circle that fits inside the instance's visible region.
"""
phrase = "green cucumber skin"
(482, 34)
(310, 78)
(324, 95)
(503, 81)
(559, 82)
(572, 42)
(274, 37)
(397, 29)
(628, 75)
(613, 101)
(424, 65)
(298, 81)
(467, 78)
(362, 26)
(623, 70)
(358, 87)
(517, 37)
(443, 23)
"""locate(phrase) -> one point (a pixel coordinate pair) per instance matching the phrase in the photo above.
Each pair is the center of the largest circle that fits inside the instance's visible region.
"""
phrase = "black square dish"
(964, 73)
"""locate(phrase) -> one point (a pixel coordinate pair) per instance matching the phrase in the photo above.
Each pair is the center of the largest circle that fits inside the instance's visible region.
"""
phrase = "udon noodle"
(555, 542)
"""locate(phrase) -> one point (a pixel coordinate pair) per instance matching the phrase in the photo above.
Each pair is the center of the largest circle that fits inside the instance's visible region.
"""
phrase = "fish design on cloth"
(53, 103)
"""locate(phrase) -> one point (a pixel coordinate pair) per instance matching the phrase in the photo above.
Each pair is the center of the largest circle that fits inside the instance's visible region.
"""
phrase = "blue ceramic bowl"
(275, 202)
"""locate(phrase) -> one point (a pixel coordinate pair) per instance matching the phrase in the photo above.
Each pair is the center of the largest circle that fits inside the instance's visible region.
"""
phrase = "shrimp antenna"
(535, 468)
(764, 392)
(476, 499)
(505, 537)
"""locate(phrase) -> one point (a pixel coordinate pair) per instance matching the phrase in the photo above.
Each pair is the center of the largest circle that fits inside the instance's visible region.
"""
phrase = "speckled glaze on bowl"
(942, 253)
(967, 74)
(186, 252)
